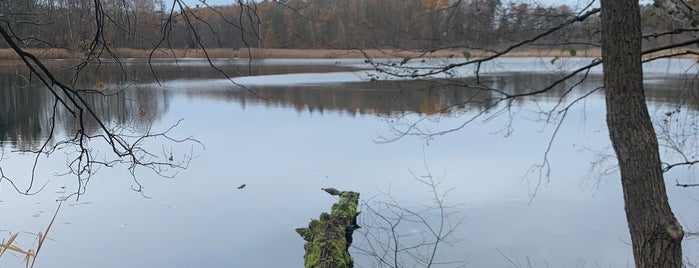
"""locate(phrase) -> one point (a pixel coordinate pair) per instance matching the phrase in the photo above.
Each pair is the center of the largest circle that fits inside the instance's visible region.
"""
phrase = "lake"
(324, 123)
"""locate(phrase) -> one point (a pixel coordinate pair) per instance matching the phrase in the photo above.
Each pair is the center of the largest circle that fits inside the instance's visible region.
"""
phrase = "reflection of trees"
(23, 111)
(26, 110)
(679, 89)
(135, 108)
(390, 97)
(118, 94)
(382, 98)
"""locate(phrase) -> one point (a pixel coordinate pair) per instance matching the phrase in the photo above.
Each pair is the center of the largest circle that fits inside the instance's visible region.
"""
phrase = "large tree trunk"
(655, 233)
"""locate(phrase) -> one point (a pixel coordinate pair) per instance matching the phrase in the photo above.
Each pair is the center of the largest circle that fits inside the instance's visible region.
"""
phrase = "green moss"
(327, 246)
(347, 206)
(312, 255)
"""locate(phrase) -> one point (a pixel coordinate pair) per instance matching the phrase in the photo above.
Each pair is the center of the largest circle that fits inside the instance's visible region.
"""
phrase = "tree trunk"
(656, 234)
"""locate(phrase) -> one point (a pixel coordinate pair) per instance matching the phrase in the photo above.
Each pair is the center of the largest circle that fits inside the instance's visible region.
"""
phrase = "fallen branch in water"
(329, 238)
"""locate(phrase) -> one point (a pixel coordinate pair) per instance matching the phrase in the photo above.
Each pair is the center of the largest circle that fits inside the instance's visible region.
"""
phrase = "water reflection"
(127, 94)
(284, 151)
(27, 111)
(130, 97)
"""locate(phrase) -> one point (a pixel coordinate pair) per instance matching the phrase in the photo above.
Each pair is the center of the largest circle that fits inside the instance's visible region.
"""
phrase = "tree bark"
(656, 234)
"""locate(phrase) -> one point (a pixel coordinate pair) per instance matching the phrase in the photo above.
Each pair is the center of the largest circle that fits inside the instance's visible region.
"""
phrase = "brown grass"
(9, 54)
(176, 53)
(58, 53)
(595, 52)
(257, 53)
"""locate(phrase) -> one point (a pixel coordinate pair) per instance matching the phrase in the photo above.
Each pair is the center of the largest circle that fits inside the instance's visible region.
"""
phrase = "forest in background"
(424, 25)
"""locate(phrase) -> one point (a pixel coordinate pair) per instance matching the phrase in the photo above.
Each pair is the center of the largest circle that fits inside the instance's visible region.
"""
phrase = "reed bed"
(262, 53)
(175, 53)
(61, 53)
(257, 53)
(54, 53)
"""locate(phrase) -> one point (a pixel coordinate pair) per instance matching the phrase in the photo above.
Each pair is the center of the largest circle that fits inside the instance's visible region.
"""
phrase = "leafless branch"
(429, 72)
(385, 240)
(125, 145)
(677, 183)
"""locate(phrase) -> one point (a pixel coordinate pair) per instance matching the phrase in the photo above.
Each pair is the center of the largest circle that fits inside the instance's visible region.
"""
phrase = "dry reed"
(257, 53)
(261, 53)
(59, 53)
(29, 254)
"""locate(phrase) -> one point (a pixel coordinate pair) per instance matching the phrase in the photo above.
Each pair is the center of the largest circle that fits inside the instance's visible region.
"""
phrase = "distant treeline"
(339, 24)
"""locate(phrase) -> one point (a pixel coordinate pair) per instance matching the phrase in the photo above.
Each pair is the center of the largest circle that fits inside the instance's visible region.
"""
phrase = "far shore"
(265, 53)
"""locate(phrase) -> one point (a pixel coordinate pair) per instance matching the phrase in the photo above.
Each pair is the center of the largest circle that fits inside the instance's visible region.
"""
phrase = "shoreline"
(257, 53)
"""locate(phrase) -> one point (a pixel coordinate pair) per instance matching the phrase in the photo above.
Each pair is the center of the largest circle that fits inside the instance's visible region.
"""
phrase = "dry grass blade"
(43, 236)
(7, 245)
(28, 254)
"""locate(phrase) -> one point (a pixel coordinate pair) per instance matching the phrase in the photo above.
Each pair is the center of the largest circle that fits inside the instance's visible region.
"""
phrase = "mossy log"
(328, 238)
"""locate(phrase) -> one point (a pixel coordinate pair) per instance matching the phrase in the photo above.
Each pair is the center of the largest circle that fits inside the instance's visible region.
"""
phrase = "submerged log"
(328, 238)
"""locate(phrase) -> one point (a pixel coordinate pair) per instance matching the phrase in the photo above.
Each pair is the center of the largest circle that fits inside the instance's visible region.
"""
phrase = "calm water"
(318, 124)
